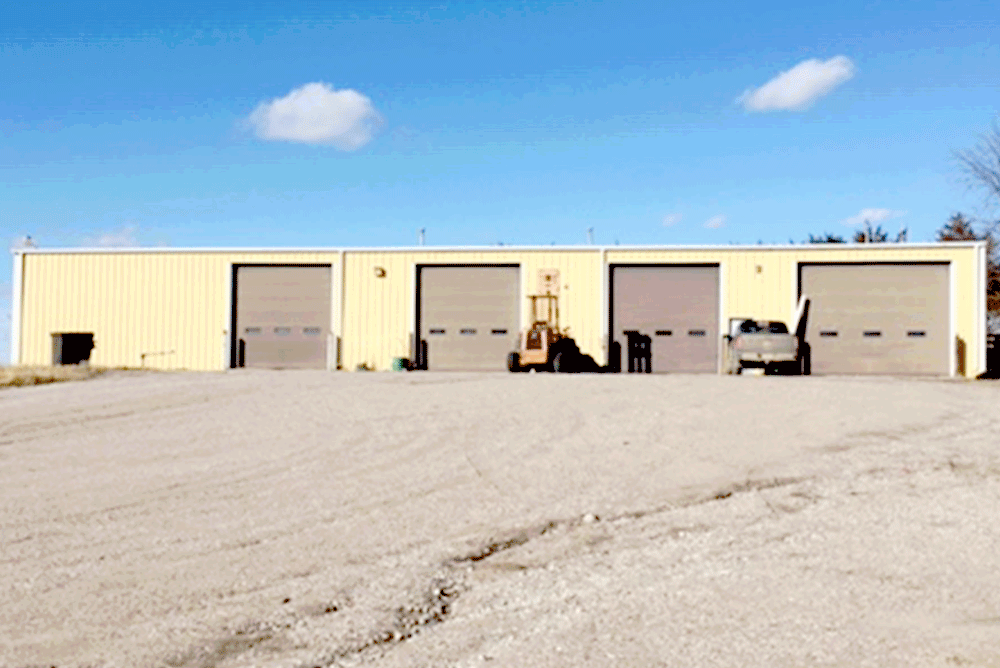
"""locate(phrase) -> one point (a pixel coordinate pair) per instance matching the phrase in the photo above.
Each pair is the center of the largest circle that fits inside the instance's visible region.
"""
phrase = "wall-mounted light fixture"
(759, 269)
(379, 272)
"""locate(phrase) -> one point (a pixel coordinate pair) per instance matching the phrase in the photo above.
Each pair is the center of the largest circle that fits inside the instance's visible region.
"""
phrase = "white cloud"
(318, 114)
(715, 222)
(123, 237)
(799, 87)
(671, 219)
(874, 216)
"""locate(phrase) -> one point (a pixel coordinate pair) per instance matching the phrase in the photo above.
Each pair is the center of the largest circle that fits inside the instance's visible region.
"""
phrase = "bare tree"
(960, 228)
(981, 164)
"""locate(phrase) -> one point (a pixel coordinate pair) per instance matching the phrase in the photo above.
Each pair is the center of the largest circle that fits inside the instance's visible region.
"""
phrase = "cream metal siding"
(770, 293)
(380, 309)
(16, 293)
(164, 310)
(174, 305)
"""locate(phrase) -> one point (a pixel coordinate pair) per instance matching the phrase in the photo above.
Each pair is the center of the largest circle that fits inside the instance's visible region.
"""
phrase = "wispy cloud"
(715, 222)
(316, 113)
(799, 87)
(122, 237)
(873, 216)
(671, 219)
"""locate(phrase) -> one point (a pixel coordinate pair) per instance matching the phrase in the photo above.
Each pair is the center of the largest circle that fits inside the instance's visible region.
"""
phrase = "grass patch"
(19, 376)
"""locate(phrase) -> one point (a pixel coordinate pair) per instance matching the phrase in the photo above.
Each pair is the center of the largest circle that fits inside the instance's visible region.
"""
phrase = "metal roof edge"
(490, 249)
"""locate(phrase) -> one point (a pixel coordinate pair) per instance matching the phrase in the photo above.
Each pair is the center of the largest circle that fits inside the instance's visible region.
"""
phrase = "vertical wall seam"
(952, 316)
(16, 288)
(230, 335)
(605, 305)
(722, 308)
(981, 304)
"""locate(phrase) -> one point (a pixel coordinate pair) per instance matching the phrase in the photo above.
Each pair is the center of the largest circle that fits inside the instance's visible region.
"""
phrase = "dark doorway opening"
(71, 348)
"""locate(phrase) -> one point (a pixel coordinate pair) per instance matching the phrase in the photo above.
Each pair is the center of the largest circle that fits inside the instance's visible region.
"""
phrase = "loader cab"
(534, 338)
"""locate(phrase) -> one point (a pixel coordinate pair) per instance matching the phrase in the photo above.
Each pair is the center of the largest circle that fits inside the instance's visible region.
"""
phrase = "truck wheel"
(513, 362)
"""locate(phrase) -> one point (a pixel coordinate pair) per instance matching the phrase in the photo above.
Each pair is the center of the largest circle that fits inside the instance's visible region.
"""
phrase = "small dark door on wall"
(282, 316)
(71, 348)
(468, 316)
(673, 310)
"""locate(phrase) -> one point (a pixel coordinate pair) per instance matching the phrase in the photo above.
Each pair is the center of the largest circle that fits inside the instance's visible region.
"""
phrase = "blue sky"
(329, 124)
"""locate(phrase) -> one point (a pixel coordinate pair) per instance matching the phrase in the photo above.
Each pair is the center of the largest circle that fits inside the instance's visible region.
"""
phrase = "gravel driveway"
(301, 519)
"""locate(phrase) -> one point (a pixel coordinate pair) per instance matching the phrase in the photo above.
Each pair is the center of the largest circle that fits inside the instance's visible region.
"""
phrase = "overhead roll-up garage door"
(676, 307)
(878, 318)
(469, 316)
(282, 316)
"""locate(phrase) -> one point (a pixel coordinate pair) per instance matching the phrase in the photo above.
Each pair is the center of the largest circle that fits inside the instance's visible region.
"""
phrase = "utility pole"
(590, 236)
(421, 235)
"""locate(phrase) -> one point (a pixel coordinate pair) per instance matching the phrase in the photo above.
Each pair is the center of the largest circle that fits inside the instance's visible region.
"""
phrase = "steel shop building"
(875, 308)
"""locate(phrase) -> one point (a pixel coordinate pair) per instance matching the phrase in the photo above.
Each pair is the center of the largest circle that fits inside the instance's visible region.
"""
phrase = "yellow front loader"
(544, 346)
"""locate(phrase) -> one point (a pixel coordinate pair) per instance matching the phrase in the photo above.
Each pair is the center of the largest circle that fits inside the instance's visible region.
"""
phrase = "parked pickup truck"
(763, 344)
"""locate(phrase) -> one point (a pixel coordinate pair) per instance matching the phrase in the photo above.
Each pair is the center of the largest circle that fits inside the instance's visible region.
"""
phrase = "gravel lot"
(303, 519)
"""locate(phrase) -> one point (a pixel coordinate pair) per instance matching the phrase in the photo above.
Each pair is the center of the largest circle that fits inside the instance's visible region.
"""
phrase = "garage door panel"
(469, 316)
(873, 319)
(285, 354)
(283, 315)
(676, 306)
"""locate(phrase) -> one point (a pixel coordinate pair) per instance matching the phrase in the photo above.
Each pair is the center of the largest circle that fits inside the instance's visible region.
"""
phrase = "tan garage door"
(878, 318)
(282, 316)
(677, 307)
(469, 316)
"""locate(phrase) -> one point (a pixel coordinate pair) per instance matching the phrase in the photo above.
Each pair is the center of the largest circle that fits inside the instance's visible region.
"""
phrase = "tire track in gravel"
(434, 605)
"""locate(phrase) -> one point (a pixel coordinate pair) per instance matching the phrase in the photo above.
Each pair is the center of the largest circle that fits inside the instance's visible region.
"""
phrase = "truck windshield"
(752, 327)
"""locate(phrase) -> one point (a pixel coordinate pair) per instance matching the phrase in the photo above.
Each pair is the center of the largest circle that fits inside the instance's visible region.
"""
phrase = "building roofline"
(493, 249)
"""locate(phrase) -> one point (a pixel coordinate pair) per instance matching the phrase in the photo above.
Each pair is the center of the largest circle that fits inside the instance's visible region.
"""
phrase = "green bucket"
(399, 363)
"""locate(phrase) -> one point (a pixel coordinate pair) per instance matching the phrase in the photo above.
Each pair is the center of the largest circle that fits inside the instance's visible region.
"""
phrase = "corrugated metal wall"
(163, 310)
(379, 312)
(770, 292)
(174, 305)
